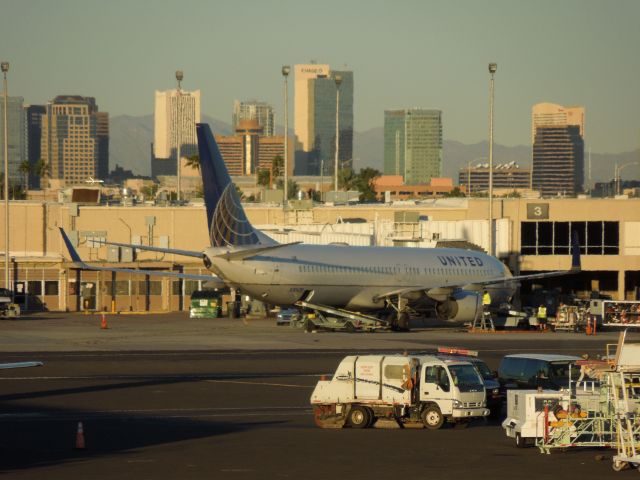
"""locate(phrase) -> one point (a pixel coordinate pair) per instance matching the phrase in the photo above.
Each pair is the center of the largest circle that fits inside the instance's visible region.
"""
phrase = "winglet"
(72, 251)
(575, 253)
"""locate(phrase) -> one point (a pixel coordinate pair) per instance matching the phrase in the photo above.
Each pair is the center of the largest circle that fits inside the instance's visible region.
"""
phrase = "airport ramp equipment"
(601, 408)
(337, 319)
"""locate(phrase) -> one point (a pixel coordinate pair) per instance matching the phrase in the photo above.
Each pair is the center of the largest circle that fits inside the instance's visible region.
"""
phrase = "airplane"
(93, 181)
(394, 281)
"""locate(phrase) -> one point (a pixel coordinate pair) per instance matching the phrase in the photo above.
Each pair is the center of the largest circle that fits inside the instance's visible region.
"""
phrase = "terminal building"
(531, 235)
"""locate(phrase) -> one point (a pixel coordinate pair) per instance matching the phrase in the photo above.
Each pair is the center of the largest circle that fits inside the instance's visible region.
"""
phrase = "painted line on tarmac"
(266, 384)
(168, 377)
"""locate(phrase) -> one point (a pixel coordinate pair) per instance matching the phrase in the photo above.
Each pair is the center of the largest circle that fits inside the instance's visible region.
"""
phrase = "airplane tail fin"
(226, 219)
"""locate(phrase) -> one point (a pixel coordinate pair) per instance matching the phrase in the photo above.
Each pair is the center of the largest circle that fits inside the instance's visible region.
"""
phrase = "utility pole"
(492, 70)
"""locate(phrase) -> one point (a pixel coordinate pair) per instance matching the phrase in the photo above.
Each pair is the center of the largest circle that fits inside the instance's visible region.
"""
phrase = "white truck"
(411, 390)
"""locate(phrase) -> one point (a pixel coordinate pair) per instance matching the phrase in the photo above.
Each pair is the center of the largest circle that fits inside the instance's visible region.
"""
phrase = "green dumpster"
(205, 304)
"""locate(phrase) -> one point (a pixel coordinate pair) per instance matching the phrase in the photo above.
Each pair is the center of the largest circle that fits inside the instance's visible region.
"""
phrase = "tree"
(456, 192)
(43, 170)
(264, 177)
(194, 162)
(347, 179)
(292, 188)
(25, 168)
(365, 184)
(277, 166)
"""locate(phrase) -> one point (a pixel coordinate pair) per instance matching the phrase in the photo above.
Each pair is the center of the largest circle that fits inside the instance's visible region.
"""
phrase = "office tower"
(34, 115)
(558, 149)
(16, 133)
(249, 150)
(558, 160)
(254, 110)
(73, 138)
(552, 115)
(174, 110)
(508, 176)
(315, 119)
(413, 144)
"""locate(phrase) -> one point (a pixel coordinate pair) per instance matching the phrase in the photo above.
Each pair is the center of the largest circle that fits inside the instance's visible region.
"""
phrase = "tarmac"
(166, 397)
(72, 332)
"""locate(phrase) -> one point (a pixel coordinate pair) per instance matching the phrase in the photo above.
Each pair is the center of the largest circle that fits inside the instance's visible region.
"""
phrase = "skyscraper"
(558, 149)
(34, 115)
(315, 119)
(553, 115)
(254, 110)
(558, 160)
(248, 150)
(17, 142)
(413, 144)
(174, 110)
(74, 135)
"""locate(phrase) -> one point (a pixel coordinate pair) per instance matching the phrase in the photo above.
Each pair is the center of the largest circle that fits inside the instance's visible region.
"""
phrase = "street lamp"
(618, 169)
(179, 77)
(492, 70)
(286, 69)
(338, 80)
(5, 68)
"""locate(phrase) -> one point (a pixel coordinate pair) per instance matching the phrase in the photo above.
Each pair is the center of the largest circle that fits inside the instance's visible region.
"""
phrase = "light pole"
(492, 70)
(618, 170)
(338, 80)
(469, 163)
(285, 73)
(179, 77)
(5, 69)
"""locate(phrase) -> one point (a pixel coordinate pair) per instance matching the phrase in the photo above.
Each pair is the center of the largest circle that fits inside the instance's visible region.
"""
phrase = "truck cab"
(410, 389)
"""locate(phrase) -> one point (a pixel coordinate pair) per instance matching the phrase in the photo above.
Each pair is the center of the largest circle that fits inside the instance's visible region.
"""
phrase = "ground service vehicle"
(533, 370)
(494, 396)
(409, 389)
(8, 309)
(205, 304)
(525, 419)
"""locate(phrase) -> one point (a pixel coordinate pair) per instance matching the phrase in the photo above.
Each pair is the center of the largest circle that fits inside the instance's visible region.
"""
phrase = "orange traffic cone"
(103, 322)
(80, 437)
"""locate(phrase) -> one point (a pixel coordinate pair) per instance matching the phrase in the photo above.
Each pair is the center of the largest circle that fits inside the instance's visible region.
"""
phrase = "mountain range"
(131, 138)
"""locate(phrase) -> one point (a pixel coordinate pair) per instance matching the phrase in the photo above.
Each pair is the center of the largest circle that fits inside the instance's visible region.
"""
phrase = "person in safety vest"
(542, 317)
(486, 300)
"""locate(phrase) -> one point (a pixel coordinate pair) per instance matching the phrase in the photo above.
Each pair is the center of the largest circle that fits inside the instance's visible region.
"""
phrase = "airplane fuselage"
(354, 277)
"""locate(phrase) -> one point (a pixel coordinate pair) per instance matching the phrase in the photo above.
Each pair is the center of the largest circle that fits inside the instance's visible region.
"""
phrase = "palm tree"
(25, 169)
(194, 162)
(43, 170)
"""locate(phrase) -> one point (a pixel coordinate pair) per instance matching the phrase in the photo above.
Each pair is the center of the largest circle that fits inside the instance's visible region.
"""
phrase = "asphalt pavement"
(169, 397)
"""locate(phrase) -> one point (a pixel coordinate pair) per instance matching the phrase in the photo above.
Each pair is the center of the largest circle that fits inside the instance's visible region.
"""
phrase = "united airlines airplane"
(395, 280)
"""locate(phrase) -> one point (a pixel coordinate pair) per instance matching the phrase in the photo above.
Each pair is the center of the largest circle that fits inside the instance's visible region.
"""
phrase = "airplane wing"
(176, 251)
(4, 366)
(79, 263)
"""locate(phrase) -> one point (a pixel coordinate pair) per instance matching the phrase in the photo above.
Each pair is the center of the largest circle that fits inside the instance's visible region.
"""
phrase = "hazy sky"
(404, 53)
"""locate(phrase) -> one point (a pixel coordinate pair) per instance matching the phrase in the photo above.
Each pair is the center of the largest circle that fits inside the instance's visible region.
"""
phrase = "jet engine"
(460, 307)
